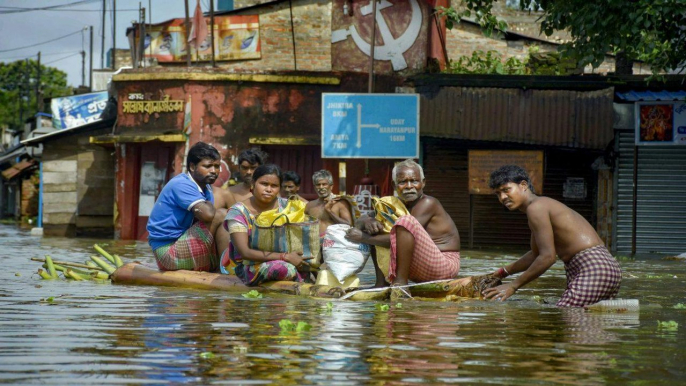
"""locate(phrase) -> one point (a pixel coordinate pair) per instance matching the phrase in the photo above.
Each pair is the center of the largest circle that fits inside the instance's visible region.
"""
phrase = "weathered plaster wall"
(397, 21)
(228, 114)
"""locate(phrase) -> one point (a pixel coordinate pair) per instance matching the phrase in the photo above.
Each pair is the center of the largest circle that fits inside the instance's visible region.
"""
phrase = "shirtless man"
(425, 245)
(248, 161)
(291, 186)
(556, 230)
(328, 208)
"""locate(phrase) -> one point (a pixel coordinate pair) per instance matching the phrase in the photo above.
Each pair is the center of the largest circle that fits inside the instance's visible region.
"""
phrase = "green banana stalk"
(118, 261)
(45, 275)
(99, 275)
(61, 268)
(73, 275)
(50, 266)
(105, 254)
(100, 262)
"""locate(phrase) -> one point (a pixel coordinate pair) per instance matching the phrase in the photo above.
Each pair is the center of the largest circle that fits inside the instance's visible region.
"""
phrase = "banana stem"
(63, 269)
(100, 275)
(68, 264)
(45, 275)
(118, 261)
(106, 267)
(73, 275)
(50, 266)
(105, 254)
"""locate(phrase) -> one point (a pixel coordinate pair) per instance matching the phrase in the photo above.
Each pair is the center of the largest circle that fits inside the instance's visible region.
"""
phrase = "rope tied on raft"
(351, 294)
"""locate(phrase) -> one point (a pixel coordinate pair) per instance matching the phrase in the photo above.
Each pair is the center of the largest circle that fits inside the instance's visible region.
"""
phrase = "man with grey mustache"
(425, 245)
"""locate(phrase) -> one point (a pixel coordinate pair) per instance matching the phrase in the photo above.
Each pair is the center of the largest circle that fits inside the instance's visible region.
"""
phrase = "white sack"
(343, 257)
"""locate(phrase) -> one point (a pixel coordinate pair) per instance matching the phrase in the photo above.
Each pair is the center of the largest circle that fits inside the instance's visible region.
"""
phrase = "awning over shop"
(112, 139)
(635, 96)
(12, 153)
(63, 132)
(17, 169)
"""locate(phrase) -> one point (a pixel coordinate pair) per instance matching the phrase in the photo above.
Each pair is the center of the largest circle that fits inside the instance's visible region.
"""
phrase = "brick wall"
(312, 27)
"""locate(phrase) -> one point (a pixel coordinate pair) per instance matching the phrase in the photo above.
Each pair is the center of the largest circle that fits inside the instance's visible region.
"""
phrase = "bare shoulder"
(429, 202)
(234, 188)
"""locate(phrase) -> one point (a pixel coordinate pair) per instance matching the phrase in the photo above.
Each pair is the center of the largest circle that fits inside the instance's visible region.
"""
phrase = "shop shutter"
(304, 160)
(661, 202)
(445, 170)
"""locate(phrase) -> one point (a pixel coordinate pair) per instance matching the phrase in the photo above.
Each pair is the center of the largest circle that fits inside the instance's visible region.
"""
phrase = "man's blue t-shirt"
(171, 216)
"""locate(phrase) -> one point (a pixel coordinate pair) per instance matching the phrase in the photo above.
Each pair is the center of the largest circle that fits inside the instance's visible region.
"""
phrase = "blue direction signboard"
(370, 125)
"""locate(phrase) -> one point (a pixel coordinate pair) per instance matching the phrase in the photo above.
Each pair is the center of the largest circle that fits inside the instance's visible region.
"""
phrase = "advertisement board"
(235, 38)
(77, 110)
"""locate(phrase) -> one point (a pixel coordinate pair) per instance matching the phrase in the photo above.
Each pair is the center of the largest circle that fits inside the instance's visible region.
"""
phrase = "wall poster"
(661, 123)
(235, 38)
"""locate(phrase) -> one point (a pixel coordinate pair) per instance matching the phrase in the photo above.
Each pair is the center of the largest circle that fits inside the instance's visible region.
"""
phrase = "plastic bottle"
(615, 305)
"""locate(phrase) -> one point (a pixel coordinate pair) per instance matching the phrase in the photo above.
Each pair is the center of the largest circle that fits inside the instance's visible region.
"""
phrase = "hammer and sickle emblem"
(393, 48)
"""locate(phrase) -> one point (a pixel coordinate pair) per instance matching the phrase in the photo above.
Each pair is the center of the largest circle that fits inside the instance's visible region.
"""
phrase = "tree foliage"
(18, 82)
(652, 31)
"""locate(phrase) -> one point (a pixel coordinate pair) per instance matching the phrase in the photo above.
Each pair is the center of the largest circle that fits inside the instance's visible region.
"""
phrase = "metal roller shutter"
(661, 202)
(445, 170)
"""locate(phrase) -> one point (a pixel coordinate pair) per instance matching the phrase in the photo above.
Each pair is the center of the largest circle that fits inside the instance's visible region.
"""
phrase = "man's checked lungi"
(194, 251)
(428, 262)
(592, 275)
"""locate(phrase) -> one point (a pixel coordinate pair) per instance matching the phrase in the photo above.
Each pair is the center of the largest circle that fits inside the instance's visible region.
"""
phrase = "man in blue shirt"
(183, 222)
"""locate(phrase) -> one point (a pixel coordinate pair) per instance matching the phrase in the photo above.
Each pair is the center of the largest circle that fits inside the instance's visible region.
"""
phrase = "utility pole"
(114, 35)
(102, 52)
(90, 78)
(371, 52)
(83, 68)
(39, 100)
(188, 31)
(140, 55)
(212, 29)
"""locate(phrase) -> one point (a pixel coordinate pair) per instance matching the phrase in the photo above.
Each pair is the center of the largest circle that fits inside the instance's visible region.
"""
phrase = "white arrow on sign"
(361, 125)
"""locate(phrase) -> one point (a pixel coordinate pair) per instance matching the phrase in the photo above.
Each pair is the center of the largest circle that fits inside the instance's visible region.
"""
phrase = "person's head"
(266, 183)
(512, 185)
(203, 163)
(408, 178)
(248, 161)
(323, 183)
(291, 183)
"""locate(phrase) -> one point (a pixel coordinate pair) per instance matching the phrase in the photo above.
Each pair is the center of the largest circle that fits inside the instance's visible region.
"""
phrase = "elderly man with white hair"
(425, 245)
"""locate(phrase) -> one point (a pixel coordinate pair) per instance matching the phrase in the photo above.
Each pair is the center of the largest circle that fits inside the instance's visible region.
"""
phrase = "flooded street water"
(60, 332)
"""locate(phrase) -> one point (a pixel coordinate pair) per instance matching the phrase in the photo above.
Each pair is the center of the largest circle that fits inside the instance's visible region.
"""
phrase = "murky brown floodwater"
(112, 334)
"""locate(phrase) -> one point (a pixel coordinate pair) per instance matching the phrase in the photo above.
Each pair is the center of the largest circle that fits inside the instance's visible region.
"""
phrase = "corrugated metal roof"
(633, 96)
(17, 169)
(577, 119)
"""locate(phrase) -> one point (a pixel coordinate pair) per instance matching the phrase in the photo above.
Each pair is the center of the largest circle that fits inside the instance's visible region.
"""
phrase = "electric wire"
(42, 55)
(9, 10)
(57, 60)
(38, 44)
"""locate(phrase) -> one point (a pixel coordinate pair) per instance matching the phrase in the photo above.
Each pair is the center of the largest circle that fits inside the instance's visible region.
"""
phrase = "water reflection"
(100, 333)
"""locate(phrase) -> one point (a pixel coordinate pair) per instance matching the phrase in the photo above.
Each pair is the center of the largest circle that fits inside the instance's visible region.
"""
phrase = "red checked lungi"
(428, 262)
(592, 275)
(193, 251)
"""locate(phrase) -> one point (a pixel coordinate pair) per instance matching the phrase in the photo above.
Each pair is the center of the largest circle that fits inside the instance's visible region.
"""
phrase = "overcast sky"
(28, 28)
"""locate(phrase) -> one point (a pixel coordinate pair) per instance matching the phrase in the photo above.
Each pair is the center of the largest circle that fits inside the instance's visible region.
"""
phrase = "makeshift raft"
(449, 290)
